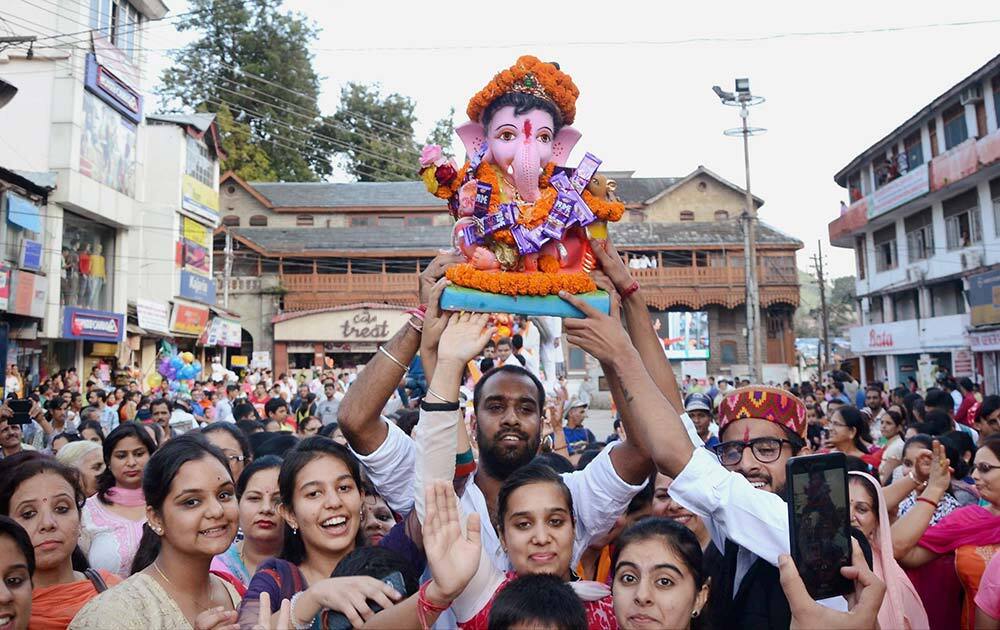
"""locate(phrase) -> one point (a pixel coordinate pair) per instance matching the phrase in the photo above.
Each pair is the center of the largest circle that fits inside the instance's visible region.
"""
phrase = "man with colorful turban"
(737, 488)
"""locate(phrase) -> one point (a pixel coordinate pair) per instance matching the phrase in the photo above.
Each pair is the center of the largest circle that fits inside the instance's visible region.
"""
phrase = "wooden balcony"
(665, 287)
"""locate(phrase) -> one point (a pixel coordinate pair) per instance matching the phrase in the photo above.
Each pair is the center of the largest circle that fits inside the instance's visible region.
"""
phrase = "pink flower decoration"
(431, 154)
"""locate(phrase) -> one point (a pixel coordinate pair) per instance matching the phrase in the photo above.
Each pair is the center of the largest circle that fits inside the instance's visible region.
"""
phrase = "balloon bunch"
(179, 370)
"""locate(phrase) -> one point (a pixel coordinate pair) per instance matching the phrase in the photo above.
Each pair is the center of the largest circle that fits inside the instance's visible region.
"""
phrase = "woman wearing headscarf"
(902, 607)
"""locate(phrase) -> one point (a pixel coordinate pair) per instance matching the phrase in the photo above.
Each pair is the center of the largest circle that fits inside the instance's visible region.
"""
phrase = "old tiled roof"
(693, 233)
(297, 240)
(347, 195)
(637, 190)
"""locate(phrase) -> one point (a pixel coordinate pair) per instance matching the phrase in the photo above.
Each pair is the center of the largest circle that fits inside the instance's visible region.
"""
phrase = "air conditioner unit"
(971, 260)
(971, 94)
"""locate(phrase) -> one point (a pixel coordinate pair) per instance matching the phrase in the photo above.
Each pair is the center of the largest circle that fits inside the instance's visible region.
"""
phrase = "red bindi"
(746, 434)
(527, 131)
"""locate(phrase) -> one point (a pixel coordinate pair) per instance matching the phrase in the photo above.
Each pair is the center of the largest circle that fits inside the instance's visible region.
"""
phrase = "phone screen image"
(819, 516)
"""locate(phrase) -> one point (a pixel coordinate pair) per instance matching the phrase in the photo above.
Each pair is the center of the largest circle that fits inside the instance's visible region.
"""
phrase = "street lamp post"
(743, 99)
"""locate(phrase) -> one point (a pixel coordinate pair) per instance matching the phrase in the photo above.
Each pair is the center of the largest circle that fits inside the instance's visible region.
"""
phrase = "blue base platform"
(462, 299)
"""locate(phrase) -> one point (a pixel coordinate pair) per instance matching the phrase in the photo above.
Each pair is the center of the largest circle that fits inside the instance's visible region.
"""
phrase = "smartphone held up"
(819, 518)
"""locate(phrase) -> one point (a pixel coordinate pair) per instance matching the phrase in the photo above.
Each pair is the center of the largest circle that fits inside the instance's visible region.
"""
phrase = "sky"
(645, 72)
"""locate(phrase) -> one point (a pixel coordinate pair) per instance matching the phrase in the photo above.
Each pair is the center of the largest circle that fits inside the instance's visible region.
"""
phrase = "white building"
(113, 229)
(924, 219)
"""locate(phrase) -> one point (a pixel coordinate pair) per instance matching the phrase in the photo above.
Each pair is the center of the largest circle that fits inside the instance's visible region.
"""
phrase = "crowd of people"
(461, 490)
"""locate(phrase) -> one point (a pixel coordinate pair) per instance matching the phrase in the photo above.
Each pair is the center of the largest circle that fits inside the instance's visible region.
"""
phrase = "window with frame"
(919, 235)
(886, 257)
(721, 215)
(876, 315)
(361, 221)
(231, 220)
(914, 151)
(200, 164)
(905, 305)
(962, 221)
(955, 130)
(727, 350)
(304, 220)
(860, 255)
(258, 220)
(687, 215)
(421, 221)
(119, 22)
(577, 359)
(854, 186)
(947, 298)
(995, 198)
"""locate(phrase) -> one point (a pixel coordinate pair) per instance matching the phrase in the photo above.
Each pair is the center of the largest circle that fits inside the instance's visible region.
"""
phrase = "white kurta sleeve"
(390, 468)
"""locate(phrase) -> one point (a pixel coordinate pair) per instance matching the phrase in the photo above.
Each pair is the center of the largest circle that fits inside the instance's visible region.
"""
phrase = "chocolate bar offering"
(472, 234)
(588, 166)
(483, 193)
(500, 220)
(582, 212)
(560, 217)
(526, 243)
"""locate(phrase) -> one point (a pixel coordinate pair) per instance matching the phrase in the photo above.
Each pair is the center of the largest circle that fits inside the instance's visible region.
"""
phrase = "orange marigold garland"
(521, 283)
(531, 76)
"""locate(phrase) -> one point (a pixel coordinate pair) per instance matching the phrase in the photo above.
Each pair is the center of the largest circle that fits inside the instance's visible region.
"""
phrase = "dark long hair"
(106, 480)
(29, 464)
(9, 527)
(159, 475)
(234, 432)
(534, 472)
(854, 419)
(293, 549)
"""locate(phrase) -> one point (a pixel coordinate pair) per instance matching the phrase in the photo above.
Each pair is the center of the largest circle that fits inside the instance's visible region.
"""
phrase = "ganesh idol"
(523, 218)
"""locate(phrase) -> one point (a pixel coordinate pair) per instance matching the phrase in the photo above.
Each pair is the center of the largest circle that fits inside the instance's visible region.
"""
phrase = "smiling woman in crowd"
(44, 497)
(259, 498)
(664, 505)
(658, 578)
(112, 520)
(321, 504)
(85, 457)
(17, 565)
(192, 515)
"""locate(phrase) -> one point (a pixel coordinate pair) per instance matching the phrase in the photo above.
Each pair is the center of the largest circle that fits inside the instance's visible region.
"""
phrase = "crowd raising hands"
(478, 512)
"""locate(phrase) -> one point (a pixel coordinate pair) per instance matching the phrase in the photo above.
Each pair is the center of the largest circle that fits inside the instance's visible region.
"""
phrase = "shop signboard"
(29, 292)
(901, 190)
(984, 298)
(197, 288)
(889, 338)
(102, 82)
(350, 325)
(31, 255)
(961, 363)
(224, 332)
(196, 232)
(196, 258)
(153, 316)
(239, 361)
(200, 200)
(985, 341)
(4, 286)
(103, 127)
(90, 325)
(188, 318)
(260, 360)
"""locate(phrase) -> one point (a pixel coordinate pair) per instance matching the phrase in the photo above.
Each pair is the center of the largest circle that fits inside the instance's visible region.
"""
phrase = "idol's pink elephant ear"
(473, 137)
(563, 145)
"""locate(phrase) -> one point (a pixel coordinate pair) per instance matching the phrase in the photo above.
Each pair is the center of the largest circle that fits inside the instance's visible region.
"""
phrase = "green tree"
(243, 157)
(375, 134)
(444, 130)
(253, 58)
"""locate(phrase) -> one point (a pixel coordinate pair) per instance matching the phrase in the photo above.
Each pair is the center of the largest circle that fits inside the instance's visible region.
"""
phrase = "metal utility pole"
(227, 271)
(818, 266)
(743, 99)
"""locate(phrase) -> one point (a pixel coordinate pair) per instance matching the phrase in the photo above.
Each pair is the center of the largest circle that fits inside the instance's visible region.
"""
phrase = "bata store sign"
(891, 338)
(339, 326)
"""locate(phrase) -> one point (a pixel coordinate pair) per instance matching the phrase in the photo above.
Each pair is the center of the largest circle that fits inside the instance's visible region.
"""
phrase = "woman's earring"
(295, 531)
(694, 615)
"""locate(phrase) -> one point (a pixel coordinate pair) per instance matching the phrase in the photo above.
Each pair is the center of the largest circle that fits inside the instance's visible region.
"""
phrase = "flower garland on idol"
(491, 214)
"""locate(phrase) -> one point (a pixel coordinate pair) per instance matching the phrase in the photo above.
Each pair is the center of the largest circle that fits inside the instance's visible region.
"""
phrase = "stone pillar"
(319, 354)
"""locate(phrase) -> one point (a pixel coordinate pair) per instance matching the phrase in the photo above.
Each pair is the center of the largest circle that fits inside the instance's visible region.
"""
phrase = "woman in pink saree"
(902, 607)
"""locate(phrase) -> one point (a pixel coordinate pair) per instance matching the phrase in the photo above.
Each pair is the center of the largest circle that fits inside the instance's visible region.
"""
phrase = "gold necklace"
(196, 602)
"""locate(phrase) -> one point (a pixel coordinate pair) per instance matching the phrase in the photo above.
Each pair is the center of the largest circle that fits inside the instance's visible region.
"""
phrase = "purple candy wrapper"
(525, 241)
(560, 217)
(483, 193)
(583, 213)
(472, 235)
(500, 220)
(588, 166)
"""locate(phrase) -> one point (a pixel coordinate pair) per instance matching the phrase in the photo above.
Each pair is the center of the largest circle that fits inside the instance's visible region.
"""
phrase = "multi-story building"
(126, 188)
(326, 270)
(923, 220)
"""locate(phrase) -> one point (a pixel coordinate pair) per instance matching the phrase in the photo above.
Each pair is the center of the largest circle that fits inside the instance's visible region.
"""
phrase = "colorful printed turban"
(765, 403)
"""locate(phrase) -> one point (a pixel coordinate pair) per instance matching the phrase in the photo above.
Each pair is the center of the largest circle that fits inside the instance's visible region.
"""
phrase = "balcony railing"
(309, 291)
